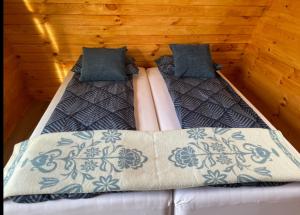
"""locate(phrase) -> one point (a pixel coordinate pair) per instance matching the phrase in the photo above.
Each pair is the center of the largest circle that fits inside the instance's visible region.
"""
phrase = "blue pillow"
(103, 64)
(78, 65)
(131, 67)
(193, 61)
(165, 64)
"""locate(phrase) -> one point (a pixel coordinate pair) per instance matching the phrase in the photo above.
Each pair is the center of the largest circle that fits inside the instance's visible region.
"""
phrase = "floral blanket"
(112, 160)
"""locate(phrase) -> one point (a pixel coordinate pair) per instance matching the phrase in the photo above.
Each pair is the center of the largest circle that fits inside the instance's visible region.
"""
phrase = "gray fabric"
(166, 63)
(210, 103)
(102, 64)
(131, 67)
(93, 106)
(77, 66)
(192, 61)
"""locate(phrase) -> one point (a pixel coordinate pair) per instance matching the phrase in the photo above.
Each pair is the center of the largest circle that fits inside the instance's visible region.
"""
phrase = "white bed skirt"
(279, 200)
(131, 203)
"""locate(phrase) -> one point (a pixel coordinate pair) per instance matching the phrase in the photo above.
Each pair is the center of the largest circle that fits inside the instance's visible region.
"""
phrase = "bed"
(128, 202)
(282, 199)
(151, 99)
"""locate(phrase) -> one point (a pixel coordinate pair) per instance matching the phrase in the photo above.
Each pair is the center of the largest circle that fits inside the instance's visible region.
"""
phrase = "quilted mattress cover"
(93, 106)
(210, 103)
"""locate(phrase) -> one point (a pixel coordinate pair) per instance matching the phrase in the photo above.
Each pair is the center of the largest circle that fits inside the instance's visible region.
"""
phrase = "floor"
(25, 127)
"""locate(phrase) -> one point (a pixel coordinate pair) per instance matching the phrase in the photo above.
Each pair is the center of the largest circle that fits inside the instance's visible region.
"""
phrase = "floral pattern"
(130, 158)
(214, 178)
(111, 136)
(205, 151)
(89, 165)
(106, 184)
(85, 158)
(185, 157)
(217, 147)
(196, 133)
(224, 159)
(96, 161)
(92, 152)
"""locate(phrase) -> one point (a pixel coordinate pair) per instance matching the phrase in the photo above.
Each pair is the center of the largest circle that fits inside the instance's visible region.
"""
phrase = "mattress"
(156, 202)
(282, 199)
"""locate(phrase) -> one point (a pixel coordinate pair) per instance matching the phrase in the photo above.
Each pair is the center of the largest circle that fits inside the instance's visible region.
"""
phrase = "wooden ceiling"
(47, 36)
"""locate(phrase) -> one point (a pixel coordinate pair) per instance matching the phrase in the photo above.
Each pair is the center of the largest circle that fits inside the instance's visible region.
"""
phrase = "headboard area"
(47, 36)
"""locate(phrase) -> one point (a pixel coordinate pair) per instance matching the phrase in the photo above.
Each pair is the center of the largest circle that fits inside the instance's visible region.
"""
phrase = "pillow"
(103, 64)
(165, 64)
(78, 65)
(218, 66)
(193, 61)
(131, 67)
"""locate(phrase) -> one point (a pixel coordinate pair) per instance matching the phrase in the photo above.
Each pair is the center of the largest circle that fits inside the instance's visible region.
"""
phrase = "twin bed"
(154, 110)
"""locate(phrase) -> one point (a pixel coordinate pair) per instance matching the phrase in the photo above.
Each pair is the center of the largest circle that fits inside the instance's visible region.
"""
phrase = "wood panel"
(75, 39)
(271, 67)
(16, 99)
(138, 9)
(117, 20)
(158, 2)
(48, 36)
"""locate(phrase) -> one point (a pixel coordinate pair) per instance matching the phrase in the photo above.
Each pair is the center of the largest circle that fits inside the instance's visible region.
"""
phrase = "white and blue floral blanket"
(112, 160)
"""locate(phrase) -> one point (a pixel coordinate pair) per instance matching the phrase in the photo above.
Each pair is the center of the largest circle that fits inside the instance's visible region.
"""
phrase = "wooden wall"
(16, 100)
(47, 35)
(271, 67)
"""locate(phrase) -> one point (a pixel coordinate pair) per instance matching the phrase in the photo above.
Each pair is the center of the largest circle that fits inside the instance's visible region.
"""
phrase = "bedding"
(209, 103)
(144, 110)
(77, 66)
(103, 64)
(131, 68)
(93, 105)
(145, 119)
(166, 113)
(221, 200)
(88, 106)
(166, 63)
(192, 60)
(69, 162)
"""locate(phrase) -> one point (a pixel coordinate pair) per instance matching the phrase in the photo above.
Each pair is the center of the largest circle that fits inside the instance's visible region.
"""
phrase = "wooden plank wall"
(271, 67)
(48, 35)
(16, 100)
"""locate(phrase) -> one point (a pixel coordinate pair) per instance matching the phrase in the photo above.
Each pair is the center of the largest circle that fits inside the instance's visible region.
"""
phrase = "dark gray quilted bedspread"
(93, 106)
(210, 103)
